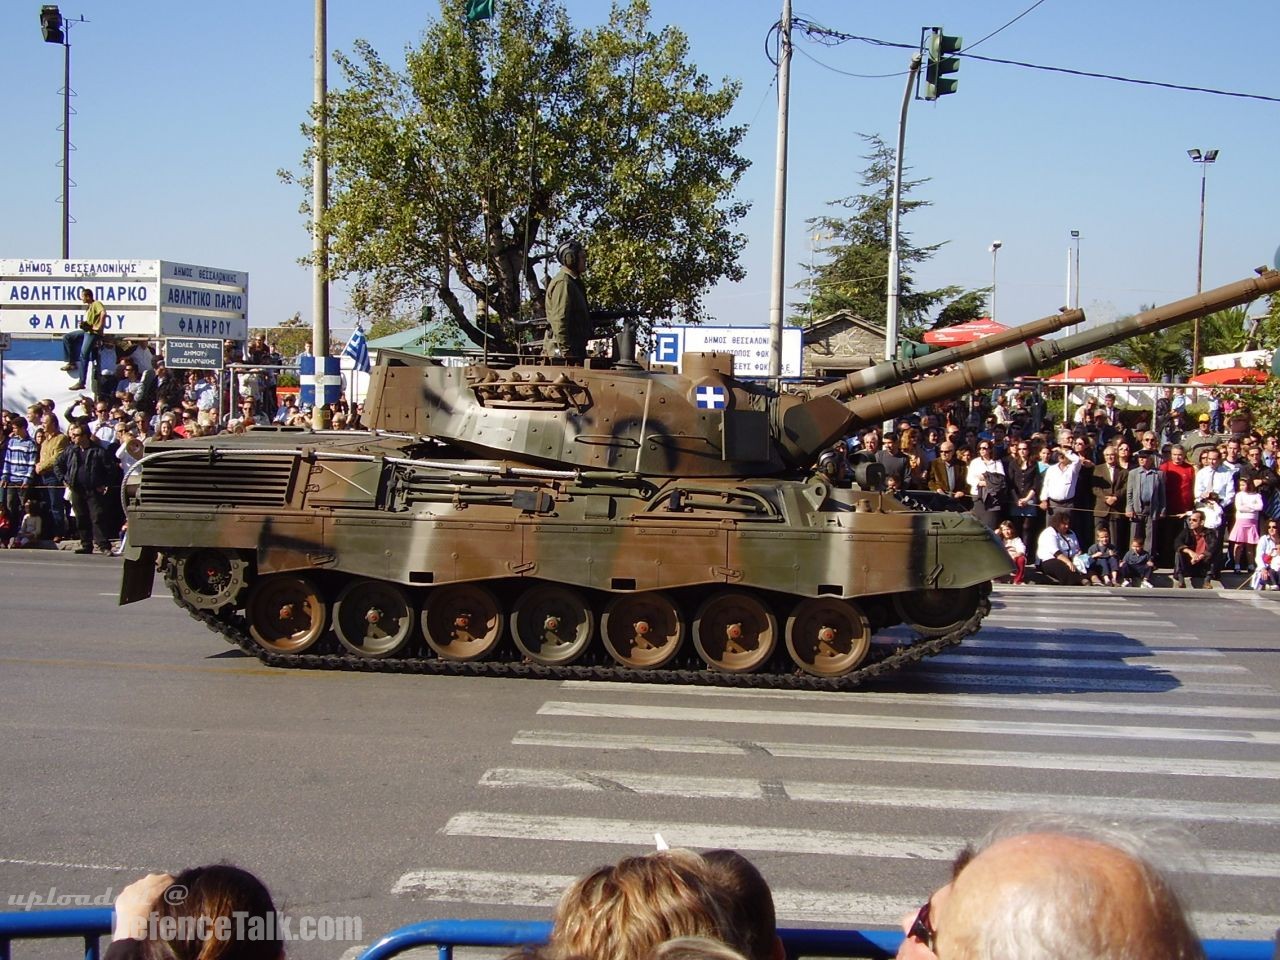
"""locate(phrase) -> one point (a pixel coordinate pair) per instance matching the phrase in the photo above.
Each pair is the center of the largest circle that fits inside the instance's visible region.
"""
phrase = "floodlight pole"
(1204, 159)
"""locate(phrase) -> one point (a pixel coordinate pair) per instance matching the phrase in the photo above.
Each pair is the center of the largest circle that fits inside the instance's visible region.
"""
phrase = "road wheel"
(287, 613)
(552, 625)
(462, 621)
(734, 632)
(373, 618)
(642, 630)
(828, 637)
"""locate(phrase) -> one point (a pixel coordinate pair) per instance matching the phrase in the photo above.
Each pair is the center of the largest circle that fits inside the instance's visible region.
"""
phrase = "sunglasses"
(921, 928)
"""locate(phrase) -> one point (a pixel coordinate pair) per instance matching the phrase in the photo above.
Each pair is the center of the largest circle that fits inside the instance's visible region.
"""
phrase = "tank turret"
(704, 422)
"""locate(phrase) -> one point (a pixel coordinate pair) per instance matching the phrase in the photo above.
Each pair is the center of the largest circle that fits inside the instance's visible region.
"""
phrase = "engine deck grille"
(227, 481)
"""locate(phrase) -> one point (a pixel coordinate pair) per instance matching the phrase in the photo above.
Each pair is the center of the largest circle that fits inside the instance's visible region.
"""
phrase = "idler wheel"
(933, 613)
(734, 632)
(210, 579)
(642, 630)
(828, 637)
(462, 621)
(373, 618)
(552, 625)
(286, 613)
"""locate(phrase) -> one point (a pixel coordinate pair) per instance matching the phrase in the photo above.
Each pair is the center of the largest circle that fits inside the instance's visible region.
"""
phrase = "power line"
(1007, 25)
(823, 34)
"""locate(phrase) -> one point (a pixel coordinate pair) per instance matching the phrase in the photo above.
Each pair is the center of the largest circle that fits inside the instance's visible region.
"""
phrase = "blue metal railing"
(90, 924)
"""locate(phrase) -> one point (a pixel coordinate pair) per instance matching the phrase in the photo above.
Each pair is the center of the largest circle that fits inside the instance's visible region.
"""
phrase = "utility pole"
(319, 204)
(780, 195)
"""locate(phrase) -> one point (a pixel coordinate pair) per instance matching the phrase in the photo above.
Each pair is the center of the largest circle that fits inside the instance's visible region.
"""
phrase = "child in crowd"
(1136, 566)
(1016, 549)
(1268, 559)
(6, 526)
(1104, 563)
(1245, 530)
(30, 529)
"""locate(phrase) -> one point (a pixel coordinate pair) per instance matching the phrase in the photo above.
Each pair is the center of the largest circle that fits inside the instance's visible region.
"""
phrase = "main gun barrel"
(1027, 358)
(893, 372)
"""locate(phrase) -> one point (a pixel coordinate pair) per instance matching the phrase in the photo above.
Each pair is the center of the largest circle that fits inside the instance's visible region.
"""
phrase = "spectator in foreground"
(1267, 556)
(1192, 552)
(1050, 890)
(625, 911)
(1016, 549)
(1056, 551)
(209, 894)
(1104, 562)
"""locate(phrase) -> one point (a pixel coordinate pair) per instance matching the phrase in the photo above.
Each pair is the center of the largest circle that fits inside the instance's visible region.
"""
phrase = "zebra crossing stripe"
(793, 905)
(855, 794)
(845, 843)
(798, 718)
(975, 701)
(1101, 666)
(1023, 760)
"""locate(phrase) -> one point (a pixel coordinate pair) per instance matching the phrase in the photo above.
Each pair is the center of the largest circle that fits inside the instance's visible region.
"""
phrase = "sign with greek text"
(749, 346)
(192, 354)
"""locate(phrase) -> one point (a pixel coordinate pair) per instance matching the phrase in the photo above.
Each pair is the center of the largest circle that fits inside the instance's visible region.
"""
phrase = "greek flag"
(357, 349)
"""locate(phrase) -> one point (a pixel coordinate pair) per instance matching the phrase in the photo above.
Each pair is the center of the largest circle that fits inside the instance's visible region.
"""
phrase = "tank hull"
(274, 538)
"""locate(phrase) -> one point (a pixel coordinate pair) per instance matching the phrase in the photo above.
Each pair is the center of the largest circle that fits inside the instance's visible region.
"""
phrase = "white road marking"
(845, 908)
(797, 718)
(977, 701)
(1026, 760)
(847, 843)
(1072, 663)
(857, 794)
(1001, 638)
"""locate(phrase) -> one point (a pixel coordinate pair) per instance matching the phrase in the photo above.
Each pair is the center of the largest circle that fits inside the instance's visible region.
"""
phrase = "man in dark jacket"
(88, 476)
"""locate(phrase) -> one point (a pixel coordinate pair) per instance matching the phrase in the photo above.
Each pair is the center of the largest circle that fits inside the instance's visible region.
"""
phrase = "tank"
(581, 522)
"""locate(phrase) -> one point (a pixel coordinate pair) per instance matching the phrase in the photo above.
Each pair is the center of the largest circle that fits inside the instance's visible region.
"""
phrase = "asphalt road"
(132, 739)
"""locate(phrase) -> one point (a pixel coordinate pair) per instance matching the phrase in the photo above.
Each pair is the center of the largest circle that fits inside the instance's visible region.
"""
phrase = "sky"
(185, 112)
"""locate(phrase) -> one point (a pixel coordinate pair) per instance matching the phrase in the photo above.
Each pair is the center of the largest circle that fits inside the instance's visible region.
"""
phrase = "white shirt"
(1267, 547)
(977, 469)
(1050, 543)
(1059, 484)
(1219, 480)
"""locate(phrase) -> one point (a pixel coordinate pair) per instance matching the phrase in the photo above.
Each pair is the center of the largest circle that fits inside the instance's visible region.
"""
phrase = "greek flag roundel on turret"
(711, 398)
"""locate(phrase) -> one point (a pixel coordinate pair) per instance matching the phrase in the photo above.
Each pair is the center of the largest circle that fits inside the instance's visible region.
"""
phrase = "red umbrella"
(959, 333)
(1218, 378)
(1098, 370)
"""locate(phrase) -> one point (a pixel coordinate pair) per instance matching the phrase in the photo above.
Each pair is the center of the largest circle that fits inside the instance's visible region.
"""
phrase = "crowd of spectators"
(1036, 889)
(1106, 499)
(60, 471)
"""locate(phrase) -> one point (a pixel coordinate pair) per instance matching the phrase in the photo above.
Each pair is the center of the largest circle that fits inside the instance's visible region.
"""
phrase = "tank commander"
(567, 313)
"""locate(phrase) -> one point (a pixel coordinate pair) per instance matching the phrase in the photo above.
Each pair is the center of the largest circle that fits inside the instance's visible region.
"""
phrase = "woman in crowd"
(1267, 558)
(987, 485)
(1023, 475)
(217, 912)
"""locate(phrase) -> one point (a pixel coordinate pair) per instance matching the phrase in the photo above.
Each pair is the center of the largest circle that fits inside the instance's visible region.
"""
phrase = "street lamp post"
(1204, 159)
(56, 29)
(995, 249)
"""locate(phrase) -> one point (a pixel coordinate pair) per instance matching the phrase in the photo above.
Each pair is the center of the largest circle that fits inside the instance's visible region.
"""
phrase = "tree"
(455, 179)
(1162, 356)
(855, 277)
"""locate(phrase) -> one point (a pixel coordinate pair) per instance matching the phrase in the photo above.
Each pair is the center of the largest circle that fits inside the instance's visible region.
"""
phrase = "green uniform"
(567, 315)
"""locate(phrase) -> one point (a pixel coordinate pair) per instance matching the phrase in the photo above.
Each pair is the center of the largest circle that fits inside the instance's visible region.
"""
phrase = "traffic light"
(51, 23)
(937, 79)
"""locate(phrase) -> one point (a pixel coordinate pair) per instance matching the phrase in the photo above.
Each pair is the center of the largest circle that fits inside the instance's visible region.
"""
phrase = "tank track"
(233, 628)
